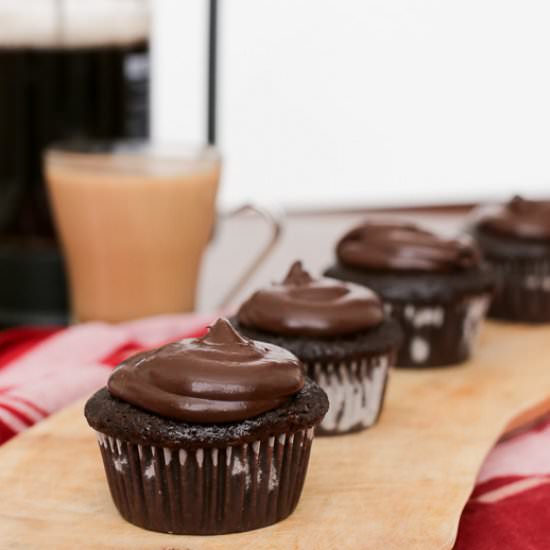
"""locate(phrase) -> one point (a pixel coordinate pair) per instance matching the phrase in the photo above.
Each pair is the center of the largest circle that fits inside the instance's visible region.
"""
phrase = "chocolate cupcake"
(207, 436)
(339, 331)
(515, 240)
(437, 288)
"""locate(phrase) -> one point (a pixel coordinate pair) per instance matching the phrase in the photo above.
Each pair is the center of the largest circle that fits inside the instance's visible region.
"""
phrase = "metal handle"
(276, 229)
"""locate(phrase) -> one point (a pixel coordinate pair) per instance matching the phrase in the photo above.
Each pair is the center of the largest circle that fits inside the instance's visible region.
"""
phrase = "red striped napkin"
(43, 370)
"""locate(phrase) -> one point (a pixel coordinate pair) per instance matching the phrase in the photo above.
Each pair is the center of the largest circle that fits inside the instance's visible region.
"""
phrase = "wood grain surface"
(400, 485)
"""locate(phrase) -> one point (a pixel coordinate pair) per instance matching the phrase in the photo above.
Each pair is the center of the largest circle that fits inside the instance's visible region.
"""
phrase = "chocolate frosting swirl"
(304, 306)
(405, 247)
(221, 377)
(518, 218)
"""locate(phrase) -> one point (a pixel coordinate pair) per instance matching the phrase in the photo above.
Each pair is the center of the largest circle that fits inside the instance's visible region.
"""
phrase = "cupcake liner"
(523, 291)
(355, 392)
(207, 491)
(436, 335)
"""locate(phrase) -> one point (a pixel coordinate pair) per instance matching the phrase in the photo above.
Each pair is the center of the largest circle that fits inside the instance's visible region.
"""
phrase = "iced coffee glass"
(133, 220)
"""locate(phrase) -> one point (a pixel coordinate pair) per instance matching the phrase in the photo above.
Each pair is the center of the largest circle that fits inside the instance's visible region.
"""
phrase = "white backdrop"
(364, 102)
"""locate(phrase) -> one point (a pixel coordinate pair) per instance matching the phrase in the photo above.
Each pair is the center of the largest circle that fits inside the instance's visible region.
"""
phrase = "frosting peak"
(297, 275)
(404, 247)
(518, 218)
(221, 333)
(221, 377)
(304, 306)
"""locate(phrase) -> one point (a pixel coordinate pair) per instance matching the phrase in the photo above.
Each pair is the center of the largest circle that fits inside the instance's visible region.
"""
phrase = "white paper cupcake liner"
(355, 392)
(439, 334)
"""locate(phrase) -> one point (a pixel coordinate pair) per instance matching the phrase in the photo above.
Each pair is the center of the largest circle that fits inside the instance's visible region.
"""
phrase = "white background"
(364, 102)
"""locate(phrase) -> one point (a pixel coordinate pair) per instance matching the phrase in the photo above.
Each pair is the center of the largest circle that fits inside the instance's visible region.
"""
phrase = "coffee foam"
(73, 23)
(147, 159)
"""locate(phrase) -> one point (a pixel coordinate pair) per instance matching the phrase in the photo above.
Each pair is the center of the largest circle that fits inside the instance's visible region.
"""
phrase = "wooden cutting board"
(401, 485)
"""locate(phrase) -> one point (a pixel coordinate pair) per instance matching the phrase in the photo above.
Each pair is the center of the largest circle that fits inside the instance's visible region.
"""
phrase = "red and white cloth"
(43, 370)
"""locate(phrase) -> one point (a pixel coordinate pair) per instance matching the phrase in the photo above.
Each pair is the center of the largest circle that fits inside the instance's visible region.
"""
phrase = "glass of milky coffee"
(134, 219)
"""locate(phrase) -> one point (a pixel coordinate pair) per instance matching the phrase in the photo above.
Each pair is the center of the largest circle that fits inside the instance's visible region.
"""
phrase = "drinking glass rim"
(132, 156)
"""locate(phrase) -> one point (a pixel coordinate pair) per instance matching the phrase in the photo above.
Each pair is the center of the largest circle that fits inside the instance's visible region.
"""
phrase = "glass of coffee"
(134, 220)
